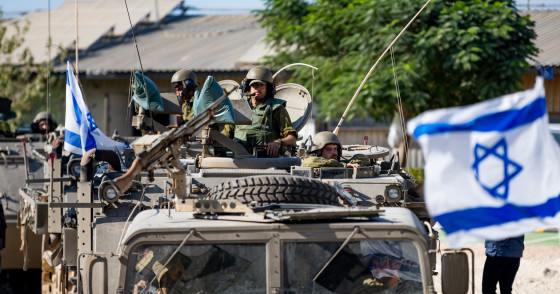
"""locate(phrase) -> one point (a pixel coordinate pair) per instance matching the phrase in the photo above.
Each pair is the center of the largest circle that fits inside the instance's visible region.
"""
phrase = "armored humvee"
(235, 223)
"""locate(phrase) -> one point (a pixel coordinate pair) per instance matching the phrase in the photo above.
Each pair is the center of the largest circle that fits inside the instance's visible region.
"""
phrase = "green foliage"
(416, 172)
(455, 53)
(23, 81)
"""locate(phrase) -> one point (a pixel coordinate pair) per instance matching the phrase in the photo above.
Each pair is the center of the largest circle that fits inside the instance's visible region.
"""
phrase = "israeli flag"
(81, 134)
(492, 168)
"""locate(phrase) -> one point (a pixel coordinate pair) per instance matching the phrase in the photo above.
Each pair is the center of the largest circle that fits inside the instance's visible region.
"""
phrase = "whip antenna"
(374, 66)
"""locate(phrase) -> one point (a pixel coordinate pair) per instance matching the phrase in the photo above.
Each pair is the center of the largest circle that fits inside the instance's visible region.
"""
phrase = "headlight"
(108, 192)
(393, 194)
(73, 168)
(76, 170)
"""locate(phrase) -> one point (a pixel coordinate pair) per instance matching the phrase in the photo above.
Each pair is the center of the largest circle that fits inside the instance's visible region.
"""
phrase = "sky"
(15, 8)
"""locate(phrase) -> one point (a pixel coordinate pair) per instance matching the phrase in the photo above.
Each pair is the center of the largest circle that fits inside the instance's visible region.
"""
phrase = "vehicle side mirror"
(455, 272)
(96, 278)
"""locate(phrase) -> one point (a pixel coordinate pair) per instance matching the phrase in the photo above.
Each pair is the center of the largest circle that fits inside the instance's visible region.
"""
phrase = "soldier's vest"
(262, 129)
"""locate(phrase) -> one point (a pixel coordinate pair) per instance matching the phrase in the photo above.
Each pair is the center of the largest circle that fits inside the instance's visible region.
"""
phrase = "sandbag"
(210, 92)
(150, 99)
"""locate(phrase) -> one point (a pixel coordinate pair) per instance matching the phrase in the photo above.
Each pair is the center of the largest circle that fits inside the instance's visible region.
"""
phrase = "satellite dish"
(229, 85)
(298, 103)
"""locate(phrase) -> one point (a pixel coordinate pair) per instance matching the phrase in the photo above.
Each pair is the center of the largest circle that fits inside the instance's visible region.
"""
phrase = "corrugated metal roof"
(201, 43)
(547, 27)
(96, 18)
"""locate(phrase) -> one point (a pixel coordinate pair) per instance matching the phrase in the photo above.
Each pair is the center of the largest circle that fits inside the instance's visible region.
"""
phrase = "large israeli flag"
(492, 168)
(80, 131)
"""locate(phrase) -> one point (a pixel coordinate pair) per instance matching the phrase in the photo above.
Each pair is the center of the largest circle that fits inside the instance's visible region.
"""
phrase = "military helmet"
(44, 115)
(260, 73)
(322, 139)
(183, 76)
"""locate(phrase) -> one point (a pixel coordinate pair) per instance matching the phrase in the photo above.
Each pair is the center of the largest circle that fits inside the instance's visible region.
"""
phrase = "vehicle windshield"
(361, 266)
(374, 266)
(198, 268)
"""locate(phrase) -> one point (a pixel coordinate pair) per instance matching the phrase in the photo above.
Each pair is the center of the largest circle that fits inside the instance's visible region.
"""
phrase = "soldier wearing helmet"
(43, 123)
(325, 152)
(271, 124)
(185, 83)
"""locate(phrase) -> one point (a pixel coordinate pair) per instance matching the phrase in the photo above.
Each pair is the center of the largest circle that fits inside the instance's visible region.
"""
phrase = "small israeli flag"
(492, 168)
(80, 132)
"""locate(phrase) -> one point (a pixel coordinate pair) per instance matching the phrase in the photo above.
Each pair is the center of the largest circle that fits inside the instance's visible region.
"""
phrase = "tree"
(455, 53)
(23, 81)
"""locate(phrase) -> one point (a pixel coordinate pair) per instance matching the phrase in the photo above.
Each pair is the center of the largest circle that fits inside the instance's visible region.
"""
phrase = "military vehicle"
(230, 221)
(22, 161)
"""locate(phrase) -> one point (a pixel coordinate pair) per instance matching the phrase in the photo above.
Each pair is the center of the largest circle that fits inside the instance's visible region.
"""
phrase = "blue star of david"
(510, 169)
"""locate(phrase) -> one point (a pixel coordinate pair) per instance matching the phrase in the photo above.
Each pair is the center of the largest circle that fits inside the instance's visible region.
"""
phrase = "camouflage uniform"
(187, 109)
(317, 161)
(267, 125)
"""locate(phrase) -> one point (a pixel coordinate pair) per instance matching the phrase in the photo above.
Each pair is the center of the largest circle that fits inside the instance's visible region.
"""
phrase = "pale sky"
(14, 8)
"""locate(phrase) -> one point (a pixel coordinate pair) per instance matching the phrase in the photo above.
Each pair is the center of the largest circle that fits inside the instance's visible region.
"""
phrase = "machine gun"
(165, 149)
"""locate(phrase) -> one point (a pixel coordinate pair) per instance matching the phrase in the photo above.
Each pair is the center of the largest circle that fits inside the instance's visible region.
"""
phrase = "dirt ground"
(539, 272)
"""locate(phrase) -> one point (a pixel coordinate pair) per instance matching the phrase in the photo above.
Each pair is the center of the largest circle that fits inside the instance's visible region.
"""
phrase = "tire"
(266, 190)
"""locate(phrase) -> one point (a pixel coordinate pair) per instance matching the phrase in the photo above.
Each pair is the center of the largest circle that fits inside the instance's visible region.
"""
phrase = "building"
(164, 39)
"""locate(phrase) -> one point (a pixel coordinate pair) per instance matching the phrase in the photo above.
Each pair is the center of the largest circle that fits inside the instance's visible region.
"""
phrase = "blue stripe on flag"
(480, 217)
(72, 139)
(499, 121)
(77, 109)
(90, 142)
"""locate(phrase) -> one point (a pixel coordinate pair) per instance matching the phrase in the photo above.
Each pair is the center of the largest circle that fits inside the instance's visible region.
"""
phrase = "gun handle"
(125, 181)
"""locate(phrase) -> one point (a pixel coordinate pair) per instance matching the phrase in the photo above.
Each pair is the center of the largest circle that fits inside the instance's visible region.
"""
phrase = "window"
(375, 266)
(199, 268)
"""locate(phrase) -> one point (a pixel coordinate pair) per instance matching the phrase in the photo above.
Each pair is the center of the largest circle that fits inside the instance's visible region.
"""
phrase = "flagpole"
(49, 59)
(76, 43)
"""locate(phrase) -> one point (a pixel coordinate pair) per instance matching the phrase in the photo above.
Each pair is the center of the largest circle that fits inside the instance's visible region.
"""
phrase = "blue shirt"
(512, 247)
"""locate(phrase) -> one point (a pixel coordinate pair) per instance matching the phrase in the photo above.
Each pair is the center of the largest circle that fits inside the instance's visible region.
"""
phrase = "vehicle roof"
(169, 220)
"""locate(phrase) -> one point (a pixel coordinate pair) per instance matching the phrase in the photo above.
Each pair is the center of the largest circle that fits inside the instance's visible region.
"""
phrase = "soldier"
(326, 151)
(185, 83)
(43, 123)
(170, 275)
(271, 123)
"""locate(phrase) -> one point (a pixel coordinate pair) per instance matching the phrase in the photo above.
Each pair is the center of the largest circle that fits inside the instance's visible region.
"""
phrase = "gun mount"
(165, 149)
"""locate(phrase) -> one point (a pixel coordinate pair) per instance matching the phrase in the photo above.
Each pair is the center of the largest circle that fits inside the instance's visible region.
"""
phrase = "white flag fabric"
(492, 168)
(80, 131)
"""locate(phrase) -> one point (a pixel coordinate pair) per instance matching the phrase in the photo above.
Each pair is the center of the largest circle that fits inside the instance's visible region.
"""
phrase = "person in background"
(185, 83)
(43, 123)
(326, 151)
(271, 124)
(502, 262)
(170, 275)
